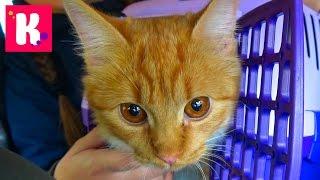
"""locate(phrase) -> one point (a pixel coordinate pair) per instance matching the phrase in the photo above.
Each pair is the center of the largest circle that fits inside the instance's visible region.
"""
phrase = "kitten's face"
(161, 87)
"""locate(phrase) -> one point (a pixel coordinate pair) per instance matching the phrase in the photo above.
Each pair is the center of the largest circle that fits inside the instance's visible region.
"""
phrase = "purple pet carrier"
(268, 140)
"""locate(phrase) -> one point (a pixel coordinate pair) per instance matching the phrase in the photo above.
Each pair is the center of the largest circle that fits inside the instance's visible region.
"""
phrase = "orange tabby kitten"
(162, 88)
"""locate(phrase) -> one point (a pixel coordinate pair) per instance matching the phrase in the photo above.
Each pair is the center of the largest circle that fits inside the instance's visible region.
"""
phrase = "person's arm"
(32, 112)
(3, 134)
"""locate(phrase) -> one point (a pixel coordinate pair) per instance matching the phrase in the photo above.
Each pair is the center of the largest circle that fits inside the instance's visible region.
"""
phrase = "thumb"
(168, 176)
(91, 141)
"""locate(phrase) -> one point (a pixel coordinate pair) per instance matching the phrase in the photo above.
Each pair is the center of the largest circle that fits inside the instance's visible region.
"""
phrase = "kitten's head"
(160, 87)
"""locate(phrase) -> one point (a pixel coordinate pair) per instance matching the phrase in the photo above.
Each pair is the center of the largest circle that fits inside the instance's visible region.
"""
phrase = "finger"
(141, 173)
(133, 174)
(168, 176)
(91, 141)
(120, 163)
(158, 178)
(112, 160)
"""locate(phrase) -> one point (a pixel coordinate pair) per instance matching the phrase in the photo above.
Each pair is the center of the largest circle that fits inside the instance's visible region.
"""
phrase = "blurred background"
(243, 8)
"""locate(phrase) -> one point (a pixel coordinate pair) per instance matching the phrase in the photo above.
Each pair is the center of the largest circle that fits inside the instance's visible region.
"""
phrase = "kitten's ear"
(217, 22)
(101, 41)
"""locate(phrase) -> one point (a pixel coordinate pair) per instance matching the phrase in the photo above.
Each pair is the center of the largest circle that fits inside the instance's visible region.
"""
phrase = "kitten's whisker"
(218, 157)
(126, 155)
(215, 162)
(217, 137)
(130, 170)
(220, 150)
(129, 164)
(222, 135)
(210, 167)
(217, 149)
(217, 145)
(231, 130)
(201, 170)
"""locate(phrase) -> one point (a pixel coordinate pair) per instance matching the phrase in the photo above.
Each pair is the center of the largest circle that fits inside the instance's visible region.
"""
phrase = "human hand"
(87, 160)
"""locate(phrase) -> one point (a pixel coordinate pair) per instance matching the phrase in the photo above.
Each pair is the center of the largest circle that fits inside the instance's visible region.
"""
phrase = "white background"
(2, 11)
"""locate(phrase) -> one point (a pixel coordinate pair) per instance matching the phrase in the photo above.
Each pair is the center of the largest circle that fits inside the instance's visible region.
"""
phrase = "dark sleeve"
(3, 135)
(32, 112)
(53, 168)
(16, 168)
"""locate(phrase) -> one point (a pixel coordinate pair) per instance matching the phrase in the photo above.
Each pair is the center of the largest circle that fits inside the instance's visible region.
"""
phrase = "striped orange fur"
(160, 64)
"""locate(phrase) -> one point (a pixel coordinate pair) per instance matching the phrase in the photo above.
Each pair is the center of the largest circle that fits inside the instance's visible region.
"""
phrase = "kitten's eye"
(197, 107)
(133, 113)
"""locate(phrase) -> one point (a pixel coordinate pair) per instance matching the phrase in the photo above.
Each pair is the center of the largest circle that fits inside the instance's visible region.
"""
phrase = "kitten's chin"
(188, 160)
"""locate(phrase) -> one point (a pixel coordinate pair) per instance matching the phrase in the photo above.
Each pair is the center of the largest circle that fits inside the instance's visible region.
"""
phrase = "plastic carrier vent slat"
(266, 140)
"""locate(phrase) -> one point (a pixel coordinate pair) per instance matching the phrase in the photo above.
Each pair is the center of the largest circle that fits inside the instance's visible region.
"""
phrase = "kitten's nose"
(169, 159)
